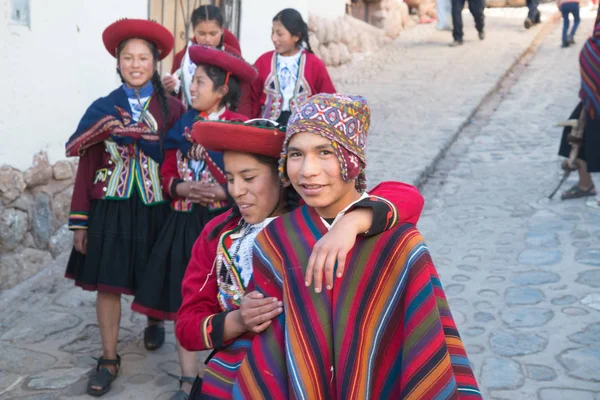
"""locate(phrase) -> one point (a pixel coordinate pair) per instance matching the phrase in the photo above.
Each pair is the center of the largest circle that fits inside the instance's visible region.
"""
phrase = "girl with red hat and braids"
(291, 73)
(216, 296)
(195, 180)
(208, 26)
(118, 206)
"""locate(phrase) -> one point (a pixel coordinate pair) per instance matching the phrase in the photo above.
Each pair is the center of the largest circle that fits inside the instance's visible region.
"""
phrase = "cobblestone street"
(522, 273)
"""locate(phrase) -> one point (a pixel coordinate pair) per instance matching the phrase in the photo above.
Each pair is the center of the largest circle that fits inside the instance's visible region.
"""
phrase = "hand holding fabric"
(170, 83)
(256, 311)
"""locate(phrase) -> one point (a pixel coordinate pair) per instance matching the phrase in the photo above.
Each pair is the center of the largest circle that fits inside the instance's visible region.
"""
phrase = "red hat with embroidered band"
(151, 31)
(227, 61)
(244, 137)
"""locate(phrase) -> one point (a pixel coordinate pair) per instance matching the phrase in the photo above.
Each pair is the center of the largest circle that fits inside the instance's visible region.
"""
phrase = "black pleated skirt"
(159, 295)
(590, 150)
(121, 234)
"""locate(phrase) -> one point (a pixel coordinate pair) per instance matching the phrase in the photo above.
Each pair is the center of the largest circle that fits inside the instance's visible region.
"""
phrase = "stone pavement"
(422, 91)
(522, 273)
(519, 270)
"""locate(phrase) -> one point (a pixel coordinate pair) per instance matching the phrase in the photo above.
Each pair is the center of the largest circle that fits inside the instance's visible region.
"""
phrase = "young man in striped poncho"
(384, 329)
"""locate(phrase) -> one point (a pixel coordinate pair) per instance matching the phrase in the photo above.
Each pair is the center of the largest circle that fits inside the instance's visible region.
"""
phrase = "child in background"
(289, 75)
(208, 27)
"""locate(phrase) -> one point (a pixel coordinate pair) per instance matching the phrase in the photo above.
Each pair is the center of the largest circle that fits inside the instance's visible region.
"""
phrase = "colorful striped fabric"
(221, 370)
(78, 220)
(589, 65)
(384, 332)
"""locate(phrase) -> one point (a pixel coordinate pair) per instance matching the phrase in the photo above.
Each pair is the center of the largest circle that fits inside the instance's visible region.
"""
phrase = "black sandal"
(181, 395)
(102, 377)
(154, 337)
(576, 192)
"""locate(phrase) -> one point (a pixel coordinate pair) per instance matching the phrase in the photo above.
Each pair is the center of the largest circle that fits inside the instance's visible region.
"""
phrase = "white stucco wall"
(257, 16)
(52, 71)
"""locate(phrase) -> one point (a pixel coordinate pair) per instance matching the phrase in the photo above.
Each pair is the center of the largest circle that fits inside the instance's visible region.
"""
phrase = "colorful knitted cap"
(344, 120)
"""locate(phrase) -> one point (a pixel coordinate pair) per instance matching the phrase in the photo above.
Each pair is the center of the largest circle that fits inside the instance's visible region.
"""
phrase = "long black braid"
(159, 90)
(292, 20)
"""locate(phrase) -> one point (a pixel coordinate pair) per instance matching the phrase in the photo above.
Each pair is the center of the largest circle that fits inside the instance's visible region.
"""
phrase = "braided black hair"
(208, 13)
(218, 77)
(292, 20)
(159, 90)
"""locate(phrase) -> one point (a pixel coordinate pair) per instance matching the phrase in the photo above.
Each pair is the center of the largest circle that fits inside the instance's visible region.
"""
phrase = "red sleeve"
(177, 111)
(81, 201)
(406, 198)
(256, 88)
(169, 173)
(245, 103)
(177, 60)
(200, 308)
(323, 82)
(230, 40)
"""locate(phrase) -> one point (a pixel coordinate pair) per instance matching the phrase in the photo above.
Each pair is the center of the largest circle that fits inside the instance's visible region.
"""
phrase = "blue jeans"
(533, 14)
(566, 9)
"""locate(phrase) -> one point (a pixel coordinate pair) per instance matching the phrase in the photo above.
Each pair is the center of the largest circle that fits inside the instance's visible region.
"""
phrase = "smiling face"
(136, 63)
(208, 33)
(254, 185)
(205, 97)
(314, 171)
(285, 43)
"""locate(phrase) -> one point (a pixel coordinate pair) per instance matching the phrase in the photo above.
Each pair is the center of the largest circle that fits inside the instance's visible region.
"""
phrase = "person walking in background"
(291, 73)
(567, 7)
(476, 7)
(534, 15)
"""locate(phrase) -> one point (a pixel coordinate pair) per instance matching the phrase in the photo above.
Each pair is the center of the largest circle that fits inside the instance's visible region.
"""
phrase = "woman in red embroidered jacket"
(289, 75)
(118, 206)
(221, 266)
(207, 24)
(193, 177)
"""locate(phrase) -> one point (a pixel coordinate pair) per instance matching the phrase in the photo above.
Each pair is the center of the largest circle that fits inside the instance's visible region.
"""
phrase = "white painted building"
(54, 64)
(51, 71)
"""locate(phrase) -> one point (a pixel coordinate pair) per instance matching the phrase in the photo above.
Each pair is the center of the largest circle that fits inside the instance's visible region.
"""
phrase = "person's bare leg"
(585, 178)
(108, 311)
(188, 364)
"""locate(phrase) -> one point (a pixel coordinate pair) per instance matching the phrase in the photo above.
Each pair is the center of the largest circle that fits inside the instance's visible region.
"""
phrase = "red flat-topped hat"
(239, 136)
(226, 60)
(151, 31)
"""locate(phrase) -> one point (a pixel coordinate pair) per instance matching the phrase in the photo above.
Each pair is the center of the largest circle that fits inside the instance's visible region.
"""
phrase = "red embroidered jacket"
(175, 167)
(110, 171)
(265, 94)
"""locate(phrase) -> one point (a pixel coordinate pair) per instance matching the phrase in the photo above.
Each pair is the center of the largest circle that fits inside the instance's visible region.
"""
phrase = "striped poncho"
(384, 332)
(589, 65)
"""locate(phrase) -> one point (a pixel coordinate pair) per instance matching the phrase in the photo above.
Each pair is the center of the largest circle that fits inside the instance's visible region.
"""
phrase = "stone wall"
(336, 40)
(34, 211)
